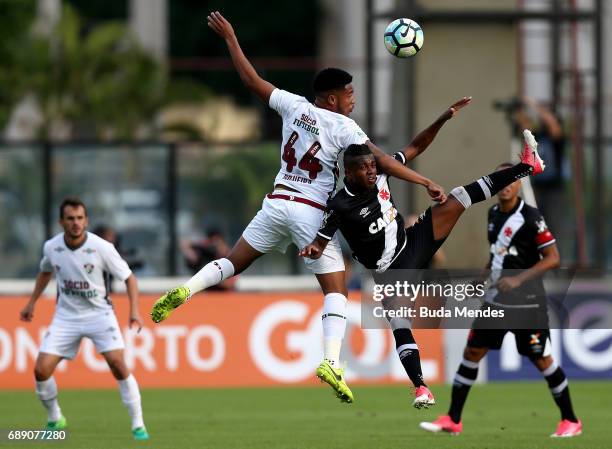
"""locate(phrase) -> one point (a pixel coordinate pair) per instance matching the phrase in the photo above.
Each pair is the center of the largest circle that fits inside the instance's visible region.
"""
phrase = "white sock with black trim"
(211, 274)
(334, 326)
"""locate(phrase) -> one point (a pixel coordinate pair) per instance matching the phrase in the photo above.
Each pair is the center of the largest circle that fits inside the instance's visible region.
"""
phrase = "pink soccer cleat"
(530, 154)
(424, 398)
(567, 429)
(443, 424)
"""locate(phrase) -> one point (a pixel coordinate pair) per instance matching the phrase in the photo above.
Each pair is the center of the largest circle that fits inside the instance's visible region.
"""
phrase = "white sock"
(334, 326)
(46, 390)
(213, 273)
(130, 396)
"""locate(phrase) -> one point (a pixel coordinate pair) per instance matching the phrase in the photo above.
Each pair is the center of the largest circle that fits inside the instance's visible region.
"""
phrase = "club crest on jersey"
(364, 212)
(508, 231)
(88, 267)
(384, 194)
(89, 251)
(541, 224)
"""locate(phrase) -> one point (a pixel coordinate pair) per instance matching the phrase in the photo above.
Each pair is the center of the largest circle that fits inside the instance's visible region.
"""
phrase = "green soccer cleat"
(60, 424)
(164, 306)
(140, 434)
(335, 378)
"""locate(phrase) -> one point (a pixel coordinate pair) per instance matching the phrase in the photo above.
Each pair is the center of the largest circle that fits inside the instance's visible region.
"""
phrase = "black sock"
(489, 185)
(464, 379)
(408, 352)
(557, 383)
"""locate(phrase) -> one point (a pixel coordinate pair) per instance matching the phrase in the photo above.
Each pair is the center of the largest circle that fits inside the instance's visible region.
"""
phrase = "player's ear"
(332, 100)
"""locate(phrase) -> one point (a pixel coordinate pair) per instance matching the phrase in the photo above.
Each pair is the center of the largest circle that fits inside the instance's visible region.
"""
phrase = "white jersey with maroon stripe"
(82, 274)
(313, 138)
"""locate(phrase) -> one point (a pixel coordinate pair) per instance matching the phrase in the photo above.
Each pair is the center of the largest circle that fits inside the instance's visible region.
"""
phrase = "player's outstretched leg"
(570, 425)
(408, 352)
(213, 273)
(445, 216)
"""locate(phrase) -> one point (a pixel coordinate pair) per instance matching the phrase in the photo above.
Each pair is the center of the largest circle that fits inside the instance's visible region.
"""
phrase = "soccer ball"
(403, 38)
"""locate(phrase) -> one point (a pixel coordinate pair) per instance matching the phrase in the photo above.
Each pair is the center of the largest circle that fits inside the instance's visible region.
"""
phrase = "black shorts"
(530, 343)
(420, 245)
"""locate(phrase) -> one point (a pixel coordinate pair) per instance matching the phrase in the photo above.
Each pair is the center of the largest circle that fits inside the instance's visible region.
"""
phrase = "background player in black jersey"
(365, 213)
(519, 239)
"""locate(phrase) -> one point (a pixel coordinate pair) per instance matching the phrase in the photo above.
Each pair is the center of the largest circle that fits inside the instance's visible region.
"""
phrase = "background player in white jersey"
(313, 137)
(82, 262)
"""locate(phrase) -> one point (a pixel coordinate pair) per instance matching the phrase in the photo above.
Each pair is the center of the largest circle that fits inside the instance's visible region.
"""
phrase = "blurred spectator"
(547, 129)
(198, 253)
(130, 256)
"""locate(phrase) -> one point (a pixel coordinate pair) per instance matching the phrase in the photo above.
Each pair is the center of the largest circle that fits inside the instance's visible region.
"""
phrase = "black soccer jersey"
(517, 237)
(369, 221)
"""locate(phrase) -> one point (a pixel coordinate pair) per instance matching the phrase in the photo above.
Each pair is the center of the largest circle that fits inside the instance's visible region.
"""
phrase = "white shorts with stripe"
(282, 222)
(64, 336)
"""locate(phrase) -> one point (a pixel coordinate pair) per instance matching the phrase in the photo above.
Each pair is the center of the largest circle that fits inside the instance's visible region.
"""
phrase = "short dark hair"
(329, 79)
(354, 151)
(71, 201)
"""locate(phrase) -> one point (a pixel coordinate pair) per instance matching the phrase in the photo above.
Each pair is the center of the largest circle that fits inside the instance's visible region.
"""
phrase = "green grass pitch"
(498, 415)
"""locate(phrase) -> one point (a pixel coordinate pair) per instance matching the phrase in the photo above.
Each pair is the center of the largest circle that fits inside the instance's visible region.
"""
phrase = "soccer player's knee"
(42, 372)
(541, 363)
(461, 195)
(474, 354)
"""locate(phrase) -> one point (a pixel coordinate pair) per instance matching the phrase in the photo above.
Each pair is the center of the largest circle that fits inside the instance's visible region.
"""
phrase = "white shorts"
(281, 222)
(64, 336)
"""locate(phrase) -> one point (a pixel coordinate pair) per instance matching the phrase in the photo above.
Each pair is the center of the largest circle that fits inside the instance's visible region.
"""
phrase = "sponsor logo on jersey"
(88, 267)
(382, 222)
(364, 212)
(59, 249)
(307, 123)
(89, 250)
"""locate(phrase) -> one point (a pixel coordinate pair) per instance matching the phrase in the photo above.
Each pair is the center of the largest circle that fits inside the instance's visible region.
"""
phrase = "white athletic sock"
(211, 274)
(334, 326)
(130, 396)
(46, 390)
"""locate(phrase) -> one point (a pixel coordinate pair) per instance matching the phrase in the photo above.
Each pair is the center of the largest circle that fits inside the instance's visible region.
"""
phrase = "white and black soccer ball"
(403, 38)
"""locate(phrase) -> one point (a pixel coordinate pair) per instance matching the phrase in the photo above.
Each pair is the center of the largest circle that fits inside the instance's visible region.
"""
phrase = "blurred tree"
(97, 83)
(15, 18)
(275, 29)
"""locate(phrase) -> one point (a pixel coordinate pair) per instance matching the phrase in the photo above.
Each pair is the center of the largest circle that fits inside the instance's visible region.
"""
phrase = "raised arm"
(249, 76)
(425, 137)
(392, 167)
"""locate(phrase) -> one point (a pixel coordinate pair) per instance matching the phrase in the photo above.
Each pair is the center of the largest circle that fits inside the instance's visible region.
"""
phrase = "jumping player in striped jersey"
(365, 213)
(520, 240)
(314, 134)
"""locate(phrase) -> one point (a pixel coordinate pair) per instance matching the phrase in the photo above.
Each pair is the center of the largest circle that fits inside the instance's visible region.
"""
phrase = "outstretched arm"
(425, 137)
(392, 167)
(249, 76)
